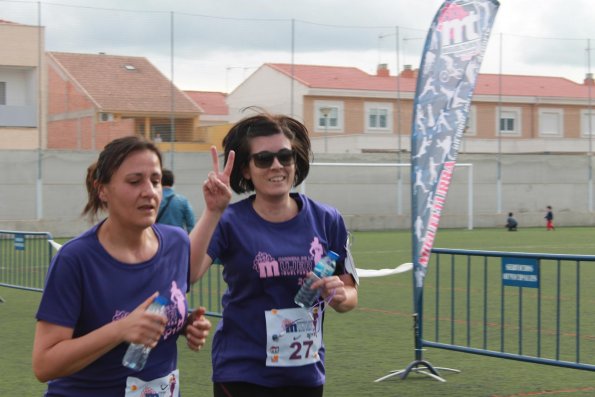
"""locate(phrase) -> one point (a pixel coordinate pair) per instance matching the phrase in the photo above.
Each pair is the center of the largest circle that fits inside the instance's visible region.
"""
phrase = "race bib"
(294, 337)
(167, 386)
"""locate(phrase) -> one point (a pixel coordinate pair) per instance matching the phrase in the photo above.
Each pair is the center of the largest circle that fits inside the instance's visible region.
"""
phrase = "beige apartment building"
(349, 110)
(22, 86)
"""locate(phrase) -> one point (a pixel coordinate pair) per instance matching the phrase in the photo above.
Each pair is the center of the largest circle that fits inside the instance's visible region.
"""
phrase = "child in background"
(511, 223)
(549, 217)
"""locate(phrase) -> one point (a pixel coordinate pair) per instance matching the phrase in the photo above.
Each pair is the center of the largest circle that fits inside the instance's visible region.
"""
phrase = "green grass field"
(370, 341)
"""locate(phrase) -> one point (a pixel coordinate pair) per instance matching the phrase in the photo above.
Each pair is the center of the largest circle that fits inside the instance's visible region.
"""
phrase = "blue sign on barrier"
(19, 242)
(520, 272)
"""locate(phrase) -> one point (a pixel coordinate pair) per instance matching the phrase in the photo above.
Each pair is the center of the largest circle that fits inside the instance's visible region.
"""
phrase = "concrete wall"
(368, 197)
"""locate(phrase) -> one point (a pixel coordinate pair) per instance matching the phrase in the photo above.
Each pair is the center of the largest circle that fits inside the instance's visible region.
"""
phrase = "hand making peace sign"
(216, 189)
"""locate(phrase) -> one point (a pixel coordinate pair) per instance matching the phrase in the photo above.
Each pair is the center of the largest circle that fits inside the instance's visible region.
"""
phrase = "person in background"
(175, 209)
(268, 243)
(549, 218)
(511, 223)
(100, 284)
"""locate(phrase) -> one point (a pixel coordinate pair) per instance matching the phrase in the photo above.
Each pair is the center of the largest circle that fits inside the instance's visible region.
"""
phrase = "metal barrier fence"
(207, 291)
(26, 256)
(530, 307)
(24, 259)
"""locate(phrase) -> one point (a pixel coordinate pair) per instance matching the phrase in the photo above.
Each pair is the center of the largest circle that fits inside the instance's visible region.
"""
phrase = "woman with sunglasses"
(268, 243)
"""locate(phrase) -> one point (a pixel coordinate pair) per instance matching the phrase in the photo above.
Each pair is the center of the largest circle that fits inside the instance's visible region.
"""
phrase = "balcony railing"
(18, 116)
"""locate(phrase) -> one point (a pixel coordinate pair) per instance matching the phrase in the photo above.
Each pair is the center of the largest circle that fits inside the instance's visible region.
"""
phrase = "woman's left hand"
(197, 329)
(340, 291)
(332, 287)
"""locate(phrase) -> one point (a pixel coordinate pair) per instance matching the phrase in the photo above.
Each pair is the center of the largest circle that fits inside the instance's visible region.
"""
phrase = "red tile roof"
(350, 78)
(123, 83)
(539, 86)
(212, 103)
(341, 78)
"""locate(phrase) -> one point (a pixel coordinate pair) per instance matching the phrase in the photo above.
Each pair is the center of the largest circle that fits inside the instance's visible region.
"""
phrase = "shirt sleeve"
(339, 240)
(63, 293)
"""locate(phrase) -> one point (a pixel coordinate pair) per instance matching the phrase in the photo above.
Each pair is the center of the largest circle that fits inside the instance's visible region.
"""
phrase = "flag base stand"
(419, 365)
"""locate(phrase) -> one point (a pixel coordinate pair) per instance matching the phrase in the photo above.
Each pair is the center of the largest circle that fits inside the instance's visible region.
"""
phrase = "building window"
(328, 116)
(551, 122)
(164, 132)
(587, 123)
(509, 122)
(378, 117)
(104, 117)
(2, 92)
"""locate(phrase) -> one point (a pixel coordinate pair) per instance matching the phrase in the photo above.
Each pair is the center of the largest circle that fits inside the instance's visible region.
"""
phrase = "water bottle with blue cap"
(325, 267)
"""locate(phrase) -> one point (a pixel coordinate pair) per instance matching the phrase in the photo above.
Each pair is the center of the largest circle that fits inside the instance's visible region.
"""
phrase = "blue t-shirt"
(247, 245)
(87, 288)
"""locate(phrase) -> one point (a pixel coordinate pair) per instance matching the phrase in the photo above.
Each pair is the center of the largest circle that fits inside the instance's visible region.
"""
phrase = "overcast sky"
(218, 43)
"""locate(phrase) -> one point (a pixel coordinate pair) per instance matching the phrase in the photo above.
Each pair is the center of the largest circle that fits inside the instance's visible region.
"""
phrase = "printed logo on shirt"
(267, 266)
(175, 311)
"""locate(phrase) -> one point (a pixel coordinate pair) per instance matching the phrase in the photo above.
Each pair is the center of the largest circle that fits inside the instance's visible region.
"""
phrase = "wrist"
(188, 321)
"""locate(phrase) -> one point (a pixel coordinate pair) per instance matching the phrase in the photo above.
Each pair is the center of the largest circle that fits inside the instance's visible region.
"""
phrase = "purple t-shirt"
(247, 245)
(87, 288)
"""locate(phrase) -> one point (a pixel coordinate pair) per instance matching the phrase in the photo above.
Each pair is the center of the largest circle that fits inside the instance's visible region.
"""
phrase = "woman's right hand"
(216, 189)
(142, 327)
(57, 353)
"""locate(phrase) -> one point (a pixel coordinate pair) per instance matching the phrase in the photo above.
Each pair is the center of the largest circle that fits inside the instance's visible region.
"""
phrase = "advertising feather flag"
(450, 64)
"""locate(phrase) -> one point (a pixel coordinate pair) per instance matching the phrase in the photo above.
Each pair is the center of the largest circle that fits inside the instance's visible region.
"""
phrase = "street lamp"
(325, 111)
(230, 68)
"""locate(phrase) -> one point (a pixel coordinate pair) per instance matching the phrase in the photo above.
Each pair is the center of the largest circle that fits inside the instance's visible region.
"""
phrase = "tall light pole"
(398, 105)
(590, 156)
(40, 119)
(499, 132)
(325, 111)
(405, 40)
(230, 68)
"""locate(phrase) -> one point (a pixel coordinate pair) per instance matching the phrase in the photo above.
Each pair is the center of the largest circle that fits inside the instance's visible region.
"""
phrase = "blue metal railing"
(25, 258)
(542, 321)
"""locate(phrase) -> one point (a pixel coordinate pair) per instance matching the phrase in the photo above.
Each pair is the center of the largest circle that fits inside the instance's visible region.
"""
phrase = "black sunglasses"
(265, 159)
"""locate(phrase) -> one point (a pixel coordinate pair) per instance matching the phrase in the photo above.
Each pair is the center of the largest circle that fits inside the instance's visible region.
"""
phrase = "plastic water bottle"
(136, 356)
(324, 268)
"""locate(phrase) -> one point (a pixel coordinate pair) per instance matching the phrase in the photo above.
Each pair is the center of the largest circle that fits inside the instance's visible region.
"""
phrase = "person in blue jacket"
(175, 209)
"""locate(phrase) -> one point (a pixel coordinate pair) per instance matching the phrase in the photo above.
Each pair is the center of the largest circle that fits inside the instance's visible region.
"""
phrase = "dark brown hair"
(167, 178)
(264, 124)
(110, 159)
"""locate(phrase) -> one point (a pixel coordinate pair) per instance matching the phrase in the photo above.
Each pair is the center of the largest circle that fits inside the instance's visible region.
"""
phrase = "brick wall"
(73, 118)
